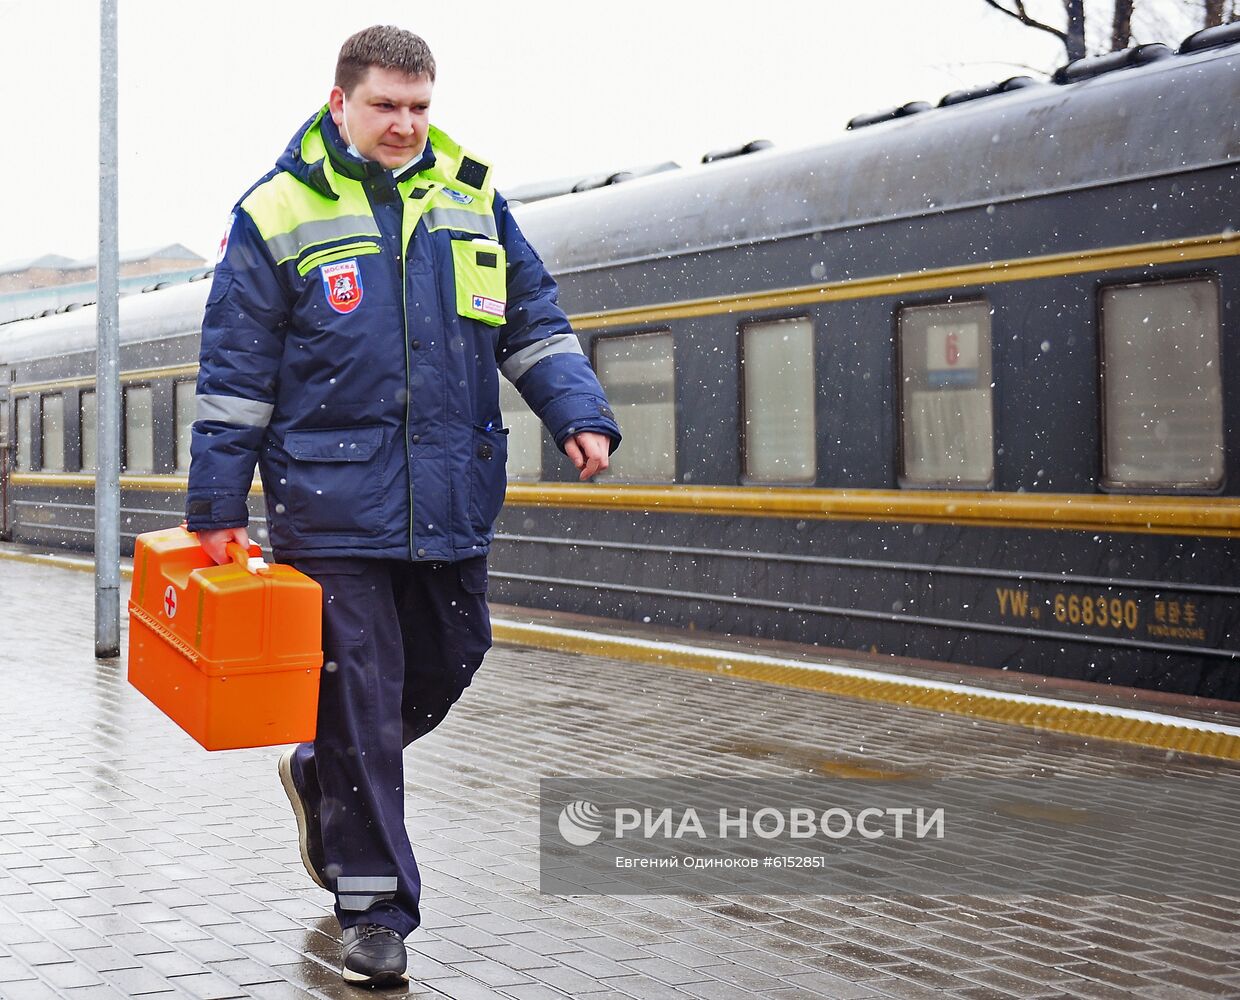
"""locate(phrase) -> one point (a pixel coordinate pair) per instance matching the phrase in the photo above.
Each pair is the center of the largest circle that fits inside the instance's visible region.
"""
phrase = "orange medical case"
(231, 656)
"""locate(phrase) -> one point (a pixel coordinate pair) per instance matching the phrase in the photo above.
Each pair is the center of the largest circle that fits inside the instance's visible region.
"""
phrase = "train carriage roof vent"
(987, 90)
(1209, 38)
(541, 190)
(603, 180)
(875, 117)
(1091, 66)
(726, 154)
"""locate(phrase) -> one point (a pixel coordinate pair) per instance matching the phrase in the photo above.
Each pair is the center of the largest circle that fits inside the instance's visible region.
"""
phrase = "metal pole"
(107, 365)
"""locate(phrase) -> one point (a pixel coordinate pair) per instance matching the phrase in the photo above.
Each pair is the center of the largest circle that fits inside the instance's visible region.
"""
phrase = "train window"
(1161, 385)
(88, 417)
(185, 404)
(139, 434)
(777, 365)
(52, 408)
(524, 434)
(22, 418)
(638, 376)
(947, 427)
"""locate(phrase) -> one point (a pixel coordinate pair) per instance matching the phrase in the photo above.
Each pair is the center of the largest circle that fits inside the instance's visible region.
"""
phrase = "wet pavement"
(133, 863)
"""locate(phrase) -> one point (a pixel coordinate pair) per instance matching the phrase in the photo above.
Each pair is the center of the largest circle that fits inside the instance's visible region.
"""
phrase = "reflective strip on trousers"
(458, 218)
(528, 357)
(361, 892)
(352, 901)
(366, 883)
(288, 245)
(234, 410)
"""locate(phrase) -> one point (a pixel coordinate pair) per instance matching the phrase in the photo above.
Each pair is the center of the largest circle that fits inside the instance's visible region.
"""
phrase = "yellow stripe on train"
(1208, 516)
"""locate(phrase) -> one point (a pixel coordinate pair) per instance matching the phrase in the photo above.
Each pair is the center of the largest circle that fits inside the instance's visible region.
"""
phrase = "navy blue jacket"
(359, 365)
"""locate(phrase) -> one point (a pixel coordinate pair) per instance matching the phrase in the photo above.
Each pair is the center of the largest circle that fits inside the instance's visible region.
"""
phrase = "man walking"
(369, 292)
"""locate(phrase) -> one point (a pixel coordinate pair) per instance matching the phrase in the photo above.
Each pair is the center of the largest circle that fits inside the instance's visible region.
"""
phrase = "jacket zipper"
(404, 346)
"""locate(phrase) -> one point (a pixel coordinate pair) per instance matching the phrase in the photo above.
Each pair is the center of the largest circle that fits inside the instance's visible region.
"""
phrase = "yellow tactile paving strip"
(1032, 713)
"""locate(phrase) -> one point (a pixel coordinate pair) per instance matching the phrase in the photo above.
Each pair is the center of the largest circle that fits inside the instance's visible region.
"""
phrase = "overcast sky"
(211, 93)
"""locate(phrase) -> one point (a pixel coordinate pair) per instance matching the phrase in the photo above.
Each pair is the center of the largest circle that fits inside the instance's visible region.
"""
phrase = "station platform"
(133, 863)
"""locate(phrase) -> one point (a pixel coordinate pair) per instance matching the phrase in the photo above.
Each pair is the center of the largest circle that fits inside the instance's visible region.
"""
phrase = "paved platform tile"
(132, 863)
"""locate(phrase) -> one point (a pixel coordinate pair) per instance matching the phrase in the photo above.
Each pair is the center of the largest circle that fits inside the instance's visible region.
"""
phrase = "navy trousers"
(401, 641)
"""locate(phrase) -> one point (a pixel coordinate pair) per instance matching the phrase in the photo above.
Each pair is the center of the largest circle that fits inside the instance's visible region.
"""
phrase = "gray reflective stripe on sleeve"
(234, 410)
(353, 901)
(286, 246)
(458, 218)
(528, 357)
(366, 883)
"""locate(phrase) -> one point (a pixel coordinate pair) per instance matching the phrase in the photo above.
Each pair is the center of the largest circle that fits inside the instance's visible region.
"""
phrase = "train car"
(953, 385)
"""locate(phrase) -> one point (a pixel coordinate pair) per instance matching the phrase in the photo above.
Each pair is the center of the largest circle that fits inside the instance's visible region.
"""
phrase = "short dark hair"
(387, 47)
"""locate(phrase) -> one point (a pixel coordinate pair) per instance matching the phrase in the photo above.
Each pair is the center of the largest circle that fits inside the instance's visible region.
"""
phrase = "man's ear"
(335, 104)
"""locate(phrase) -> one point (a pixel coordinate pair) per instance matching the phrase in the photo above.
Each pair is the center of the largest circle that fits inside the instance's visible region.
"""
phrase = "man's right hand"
(214, 543)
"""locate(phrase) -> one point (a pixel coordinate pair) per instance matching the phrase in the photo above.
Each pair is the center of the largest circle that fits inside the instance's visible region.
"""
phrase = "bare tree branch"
(1132, 21)
(1023, 17)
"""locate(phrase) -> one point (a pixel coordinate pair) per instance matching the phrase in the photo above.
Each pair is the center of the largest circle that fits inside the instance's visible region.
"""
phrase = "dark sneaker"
(309, 834)
(373, 955)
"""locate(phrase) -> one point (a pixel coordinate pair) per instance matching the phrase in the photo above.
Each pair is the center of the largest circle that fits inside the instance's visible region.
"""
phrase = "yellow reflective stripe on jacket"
(333, 254)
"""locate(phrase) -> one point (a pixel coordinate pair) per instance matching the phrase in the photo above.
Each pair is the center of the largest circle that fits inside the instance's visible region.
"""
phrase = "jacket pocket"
(480, 271)
(488, 479)
(473, 574)
(334, 480)
(221, 282)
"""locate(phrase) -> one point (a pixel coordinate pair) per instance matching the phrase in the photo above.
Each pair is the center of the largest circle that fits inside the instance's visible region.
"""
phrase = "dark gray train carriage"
(953, 386)
(47, 392)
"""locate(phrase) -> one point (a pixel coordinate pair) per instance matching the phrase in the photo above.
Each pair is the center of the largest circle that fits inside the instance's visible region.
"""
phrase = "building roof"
(57, 262)
(51, 261)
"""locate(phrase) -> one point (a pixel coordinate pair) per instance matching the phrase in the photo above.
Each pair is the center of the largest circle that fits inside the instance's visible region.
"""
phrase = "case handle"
(250, 560)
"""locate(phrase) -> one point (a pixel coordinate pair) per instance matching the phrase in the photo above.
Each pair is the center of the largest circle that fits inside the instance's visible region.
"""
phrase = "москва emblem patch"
(343, 284)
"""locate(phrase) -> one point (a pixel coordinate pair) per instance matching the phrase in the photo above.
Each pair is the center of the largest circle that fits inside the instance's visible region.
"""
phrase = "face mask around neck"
(344, 114)
(354, 151)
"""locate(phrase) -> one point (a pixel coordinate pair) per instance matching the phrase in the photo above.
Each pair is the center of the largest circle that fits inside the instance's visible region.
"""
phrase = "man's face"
(388, 115)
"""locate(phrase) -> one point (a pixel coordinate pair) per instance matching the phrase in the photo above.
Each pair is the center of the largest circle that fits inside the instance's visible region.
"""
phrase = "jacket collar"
(318, 156)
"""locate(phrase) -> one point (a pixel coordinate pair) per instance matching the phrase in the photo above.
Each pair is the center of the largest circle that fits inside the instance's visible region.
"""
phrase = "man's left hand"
(588, 451)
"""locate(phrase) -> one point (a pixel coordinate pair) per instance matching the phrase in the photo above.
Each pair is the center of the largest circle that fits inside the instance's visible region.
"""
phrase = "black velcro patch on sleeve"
(604, 411)
(486, 259)
(472, 172)
(417, 194)
(199, 507)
